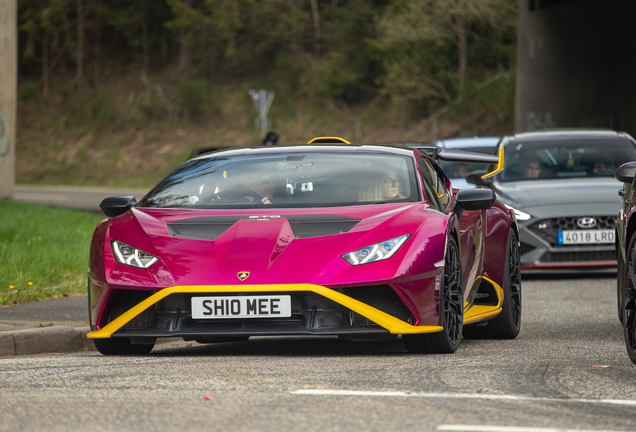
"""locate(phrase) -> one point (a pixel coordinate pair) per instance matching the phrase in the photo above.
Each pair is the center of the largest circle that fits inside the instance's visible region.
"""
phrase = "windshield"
(292, 180)
(543, 160)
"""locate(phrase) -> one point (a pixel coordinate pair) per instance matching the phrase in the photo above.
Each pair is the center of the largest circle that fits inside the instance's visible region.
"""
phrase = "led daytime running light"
(128, 255)
(377, 252)
(519, 214)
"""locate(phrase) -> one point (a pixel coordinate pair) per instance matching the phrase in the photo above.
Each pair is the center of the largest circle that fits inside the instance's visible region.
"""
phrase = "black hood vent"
(303, 226)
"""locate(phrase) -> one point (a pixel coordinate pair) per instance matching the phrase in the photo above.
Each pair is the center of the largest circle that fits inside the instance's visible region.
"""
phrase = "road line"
(321, 392)
(468, 428)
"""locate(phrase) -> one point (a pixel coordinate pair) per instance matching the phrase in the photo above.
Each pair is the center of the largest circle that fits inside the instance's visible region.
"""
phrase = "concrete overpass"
(576, 64)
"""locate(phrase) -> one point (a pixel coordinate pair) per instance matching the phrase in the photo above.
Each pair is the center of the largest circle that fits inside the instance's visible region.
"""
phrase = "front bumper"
(540, 248)
(315, 310)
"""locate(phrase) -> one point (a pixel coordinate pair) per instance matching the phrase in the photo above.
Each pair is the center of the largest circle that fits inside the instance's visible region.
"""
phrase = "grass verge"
(43, 251)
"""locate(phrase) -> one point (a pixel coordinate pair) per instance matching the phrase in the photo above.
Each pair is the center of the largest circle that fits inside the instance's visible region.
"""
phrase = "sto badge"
(243, 275)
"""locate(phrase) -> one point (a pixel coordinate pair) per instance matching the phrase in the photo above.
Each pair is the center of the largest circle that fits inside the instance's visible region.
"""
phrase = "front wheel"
(451, 310)
(621, 280)
(629, 301)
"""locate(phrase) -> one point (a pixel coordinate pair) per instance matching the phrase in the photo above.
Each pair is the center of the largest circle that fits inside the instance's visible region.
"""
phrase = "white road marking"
(468, 428)
(320, 392)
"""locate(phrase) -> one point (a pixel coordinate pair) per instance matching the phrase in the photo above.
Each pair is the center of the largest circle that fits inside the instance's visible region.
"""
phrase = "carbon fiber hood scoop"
(303, 226)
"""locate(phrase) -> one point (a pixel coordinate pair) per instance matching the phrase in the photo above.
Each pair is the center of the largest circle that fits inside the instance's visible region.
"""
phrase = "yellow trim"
(342, 140)
(481, 313)
(500, 165)
(383, 319)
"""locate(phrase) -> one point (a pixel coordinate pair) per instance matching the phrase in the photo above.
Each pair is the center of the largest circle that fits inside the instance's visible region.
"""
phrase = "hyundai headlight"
(377, 252)
(519, 214)
(128, 255)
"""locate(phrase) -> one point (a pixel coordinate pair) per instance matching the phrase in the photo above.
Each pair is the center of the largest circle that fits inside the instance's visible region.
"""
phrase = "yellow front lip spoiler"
(392, 324)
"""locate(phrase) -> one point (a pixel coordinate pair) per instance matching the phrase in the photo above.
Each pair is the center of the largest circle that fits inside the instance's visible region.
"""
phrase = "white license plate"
(586, 236)
(241, 307)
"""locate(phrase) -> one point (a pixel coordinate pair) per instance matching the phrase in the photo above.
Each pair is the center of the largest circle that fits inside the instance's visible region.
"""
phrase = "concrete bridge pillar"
(8, 90)
(576, 64)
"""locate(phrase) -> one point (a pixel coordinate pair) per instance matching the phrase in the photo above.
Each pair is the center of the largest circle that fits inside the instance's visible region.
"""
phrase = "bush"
(27, 90)
(193, 95)
(100, 112)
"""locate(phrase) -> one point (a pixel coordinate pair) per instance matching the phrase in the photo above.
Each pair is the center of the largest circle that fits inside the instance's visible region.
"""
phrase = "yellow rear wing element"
(389, 322)
(500, 165)
(332, 140)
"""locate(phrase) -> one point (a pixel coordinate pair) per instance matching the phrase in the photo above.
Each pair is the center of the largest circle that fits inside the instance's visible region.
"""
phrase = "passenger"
(597, 167)
(385, 187)
(601, 164)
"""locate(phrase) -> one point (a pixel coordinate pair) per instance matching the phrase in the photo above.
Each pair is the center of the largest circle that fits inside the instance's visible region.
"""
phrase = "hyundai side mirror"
(117, 205)
(625, 173)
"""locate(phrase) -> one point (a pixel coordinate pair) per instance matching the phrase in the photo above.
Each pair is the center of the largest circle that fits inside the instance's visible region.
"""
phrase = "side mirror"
(625, 173)
(117, 205)
(474, 177)
(473, 199)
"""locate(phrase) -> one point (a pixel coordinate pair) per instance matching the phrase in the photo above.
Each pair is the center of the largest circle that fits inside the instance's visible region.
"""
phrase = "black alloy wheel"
(121, 346)
(507, 324)
(629, 301)
(621, 281)
(451, 310)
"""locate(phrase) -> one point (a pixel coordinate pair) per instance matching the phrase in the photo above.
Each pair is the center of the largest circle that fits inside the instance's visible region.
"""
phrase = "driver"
(258, 187)
(532, 167)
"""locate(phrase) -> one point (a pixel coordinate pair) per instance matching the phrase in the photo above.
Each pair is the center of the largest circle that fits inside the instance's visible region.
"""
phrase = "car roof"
(312, 148)
(468, 142)
(566, 134)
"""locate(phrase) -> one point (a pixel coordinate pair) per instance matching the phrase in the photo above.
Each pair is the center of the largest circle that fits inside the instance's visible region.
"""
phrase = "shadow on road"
(561, 274)
(290, 346)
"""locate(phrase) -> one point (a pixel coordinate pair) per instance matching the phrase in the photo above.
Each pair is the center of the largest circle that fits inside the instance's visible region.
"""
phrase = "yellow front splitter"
(392, 324)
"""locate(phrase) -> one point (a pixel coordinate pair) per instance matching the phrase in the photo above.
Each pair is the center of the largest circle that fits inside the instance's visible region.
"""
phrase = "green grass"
(43, 251)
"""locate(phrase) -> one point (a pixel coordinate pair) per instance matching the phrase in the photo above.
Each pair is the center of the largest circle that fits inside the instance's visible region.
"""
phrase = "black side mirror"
(473, 199)
(625, 173)
(474, 177)
(117, 205)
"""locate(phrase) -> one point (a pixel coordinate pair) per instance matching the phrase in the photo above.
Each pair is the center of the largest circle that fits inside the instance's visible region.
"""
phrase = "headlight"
(128, 255)
(377, 252)
(519, 214)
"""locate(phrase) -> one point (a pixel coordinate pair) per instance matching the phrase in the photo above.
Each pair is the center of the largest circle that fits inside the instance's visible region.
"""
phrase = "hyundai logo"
(586, 222)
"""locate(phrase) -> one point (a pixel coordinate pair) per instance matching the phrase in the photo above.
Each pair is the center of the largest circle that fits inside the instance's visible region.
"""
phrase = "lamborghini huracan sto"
(363, 242)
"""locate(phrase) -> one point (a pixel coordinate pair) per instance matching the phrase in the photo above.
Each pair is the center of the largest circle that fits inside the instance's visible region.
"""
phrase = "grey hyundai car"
(562, 188)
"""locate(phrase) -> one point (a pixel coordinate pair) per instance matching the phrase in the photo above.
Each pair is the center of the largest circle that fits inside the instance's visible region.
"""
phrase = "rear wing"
(438, 153)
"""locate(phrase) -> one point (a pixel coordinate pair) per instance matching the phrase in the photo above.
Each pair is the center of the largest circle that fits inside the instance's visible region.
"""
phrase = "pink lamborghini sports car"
(364, 242)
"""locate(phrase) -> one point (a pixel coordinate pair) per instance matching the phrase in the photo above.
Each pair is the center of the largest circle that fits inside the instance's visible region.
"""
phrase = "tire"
(621, 279)
(629, 301)
(451, 310)
(507, 324)
(121, 346)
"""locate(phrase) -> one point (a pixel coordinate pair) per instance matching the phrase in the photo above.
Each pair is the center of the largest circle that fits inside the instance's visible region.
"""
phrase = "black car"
(626, 255)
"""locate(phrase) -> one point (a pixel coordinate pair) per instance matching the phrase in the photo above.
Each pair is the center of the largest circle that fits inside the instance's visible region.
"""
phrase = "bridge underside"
(576, 64)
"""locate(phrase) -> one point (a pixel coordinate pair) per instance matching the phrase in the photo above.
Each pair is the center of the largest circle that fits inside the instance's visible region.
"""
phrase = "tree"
(140, 22)
(416, 36)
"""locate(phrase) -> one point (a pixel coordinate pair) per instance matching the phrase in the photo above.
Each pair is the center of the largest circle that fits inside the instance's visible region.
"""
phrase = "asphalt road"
(545, 380)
